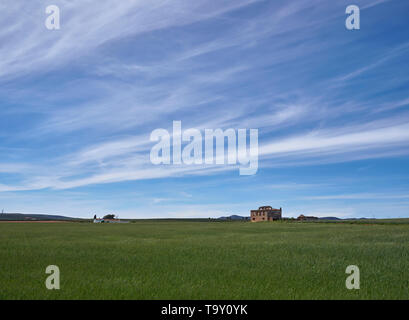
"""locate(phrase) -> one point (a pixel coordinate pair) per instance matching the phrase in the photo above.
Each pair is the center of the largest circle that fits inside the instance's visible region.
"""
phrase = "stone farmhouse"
(266, 213)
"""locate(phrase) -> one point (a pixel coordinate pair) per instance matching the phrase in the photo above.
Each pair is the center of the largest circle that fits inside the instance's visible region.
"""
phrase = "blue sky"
(77, 106)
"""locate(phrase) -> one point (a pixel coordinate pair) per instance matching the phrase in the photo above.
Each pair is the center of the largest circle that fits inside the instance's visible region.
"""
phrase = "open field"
(204, 260)
(20, 221)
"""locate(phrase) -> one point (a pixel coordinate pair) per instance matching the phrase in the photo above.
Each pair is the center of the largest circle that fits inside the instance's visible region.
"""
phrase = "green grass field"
(204, 260)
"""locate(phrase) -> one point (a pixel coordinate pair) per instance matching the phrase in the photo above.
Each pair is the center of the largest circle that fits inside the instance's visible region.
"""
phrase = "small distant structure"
(109, 221)
(266, 213)
(306, 218)
(109, 218)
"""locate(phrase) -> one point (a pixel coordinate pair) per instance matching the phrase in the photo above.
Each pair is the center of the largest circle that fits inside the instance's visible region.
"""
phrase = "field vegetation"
(205, 260)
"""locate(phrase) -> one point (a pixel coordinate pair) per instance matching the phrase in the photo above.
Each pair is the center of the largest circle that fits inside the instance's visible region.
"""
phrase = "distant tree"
(109, 216)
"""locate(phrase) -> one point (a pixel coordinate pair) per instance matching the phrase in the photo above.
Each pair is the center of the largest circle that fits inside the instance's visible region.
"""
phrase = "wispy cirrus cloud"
(87, 26)
(77, 105)
(341, 140)
(360, 196)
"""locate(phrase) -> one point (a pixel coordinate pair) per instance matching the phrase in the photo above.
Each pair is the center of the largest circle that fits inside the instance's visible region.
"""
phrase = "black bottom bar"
(209, 309)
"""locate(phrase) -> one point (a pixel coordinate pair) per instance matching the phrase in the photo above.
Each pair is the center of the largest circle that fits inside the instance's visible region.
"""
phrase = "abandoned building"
(265, 213)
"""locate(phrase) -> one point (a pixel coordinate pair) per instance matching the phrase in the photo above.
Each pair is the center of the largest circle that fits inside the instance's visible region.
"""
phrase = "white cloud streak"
(139, 97)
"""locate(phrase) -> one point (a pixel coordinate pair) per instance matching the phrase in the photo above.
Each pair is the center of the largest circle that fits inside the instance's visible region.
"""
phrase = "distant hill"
(33, 217)
(233, 217)
(329, 218)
